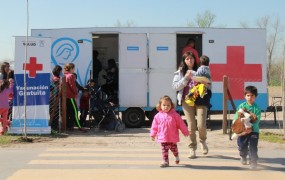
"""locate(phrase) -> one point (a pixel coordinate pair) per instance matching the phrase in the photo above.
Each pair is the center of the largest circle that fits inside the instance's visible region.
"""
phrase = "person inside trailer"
(190, 47)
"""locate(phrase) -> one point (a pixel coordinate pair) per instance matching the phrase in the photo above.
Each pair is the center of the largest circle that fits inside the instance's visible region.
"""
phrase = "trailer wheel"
(150, 115)
(133, 117)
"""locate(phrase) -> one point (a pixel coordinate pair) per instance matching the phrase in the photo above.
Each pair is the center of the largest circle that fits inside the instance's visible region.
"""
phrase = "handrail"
(231, 100)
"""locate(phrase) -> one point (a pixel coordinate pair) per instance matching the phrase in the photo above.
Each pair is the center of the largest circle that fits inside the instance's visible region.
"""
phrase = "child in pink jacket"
(165, 127)
(5, 91)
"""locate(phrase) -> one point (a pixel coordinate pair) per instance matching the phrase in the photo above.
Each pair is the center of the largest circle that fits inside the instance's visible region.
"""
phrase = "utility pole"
(283, 92)
(25, 79)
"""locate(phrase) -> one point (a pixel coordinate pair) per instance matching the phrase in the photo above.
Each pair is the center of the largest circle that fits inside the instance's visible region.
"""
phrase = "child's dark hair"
(56, 70)
(205, 60)
(250, 89)
(4, 84)
(90, 81)
(164, 98)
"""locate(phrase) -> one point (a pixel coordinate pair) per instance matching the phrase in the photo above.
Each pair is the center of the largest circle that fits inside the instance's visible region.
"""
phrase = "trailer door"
(133, 70)
(162, 65)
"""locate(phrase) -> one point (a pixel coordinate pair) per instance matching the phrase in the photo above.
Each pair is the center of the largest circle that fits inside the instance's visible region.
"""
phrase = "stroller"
(103, 113)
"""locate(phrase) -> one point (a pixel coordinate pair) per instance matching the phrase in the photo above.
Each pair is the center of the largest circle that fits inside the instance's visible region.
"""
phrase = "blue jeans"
(247, 145)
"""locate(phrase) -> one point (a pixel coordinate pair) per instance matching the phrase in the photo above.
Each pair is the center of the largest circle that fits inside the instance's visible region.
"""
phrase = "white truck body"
(147, 57)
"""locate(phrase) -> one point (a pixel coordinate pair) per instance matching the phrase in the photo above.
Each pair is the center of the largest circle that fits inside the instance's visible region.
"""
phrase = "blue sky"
(45, 14)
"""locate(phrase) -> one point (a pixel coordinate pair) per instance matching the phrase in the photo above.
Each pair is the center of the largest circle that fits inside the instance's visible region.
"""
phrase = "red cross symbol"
(33, 67)
(237, 71)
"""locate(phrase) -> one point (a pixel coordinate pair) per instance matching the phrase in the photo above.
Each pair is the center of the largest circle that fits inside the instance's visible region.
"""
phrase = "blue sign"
(162, 48)
(133, 48)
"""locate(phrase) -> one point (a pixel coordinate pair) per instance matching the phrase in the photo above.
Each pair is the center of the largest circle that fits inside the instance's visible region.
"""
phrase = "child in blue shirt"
(247, 144)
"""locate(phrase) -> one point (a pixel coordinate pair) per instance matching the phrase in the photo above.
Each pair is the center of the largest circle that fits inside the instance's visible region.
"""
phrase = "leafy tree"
(205, 20)
(273, 39)
(274, 30)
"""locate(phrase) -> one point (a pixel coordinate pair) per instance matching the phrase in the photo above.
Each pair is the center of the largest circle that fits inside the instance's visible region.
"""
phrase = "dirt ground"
(130, 137)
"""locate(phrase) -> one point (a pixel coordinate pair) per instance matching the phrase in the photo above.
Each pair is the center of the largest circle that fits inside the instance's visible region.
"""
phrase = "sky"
(47, 14)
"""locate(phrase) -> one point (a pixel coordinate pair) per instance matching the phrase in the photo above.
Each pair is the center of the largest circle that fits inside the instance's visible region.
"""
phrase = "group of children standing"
(72, 93)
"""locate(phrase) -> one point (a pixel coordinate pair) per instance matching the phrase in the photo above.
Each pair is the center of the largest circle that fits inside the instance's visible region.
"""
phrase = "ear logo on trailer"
(33, 67)
(64, 50)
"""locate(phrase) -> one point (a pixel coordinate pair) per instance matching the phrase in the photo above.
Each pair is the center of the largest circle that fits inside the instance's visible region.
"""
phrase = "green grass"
(270, 137)
(7, 139)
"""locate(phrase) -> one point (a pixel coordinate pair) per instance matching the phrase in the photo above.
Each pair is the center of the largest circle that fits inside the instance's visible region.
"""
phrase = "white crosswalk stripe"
(134, 163)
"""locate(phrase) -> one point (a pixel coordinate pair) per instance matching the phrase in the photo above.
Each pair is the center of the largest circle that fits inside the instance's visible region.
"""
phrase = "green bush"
(275, 74)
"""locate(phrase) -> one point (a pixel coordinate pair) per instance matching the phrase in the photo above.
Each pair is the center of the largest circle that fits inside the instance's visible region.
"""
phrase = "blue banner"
(37, 92)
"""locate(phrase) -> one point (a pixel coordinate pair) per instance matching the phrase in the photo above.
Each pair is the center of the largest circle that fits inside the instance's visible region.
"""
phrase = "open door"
(133, 70)
(162, 65)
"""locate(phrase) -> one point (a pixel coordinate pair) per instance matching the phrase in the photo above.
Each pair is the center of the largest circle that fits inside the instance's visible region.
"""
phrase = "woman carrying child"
(183, 82)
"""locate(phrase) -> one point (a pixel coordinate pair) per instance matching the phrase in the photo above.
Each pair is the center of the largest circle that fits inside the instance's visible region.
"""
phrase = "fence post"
(225, 99)
(52, 106)
(63, 104)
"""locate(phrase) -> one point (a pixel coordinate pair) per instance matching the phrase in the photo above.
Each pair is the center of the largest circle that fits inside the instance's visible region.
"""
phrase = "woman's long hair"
(2, 69)
(68, 67)
(183, 66)
(4, 84)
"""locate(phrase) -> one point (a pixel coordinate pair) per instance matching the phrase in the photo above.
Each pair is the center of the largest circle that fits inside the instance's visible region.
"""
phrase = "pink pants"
(165, 148)
(3, 119)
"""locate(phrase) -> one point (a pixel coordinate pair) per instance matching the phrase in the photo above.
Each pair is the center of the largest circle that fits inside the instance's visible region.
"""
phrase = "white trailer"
(147, 57)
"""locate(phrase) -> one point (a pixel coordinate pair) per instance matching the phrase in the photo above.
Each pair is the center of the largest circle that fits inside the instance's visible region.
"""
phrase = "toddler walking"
(165, 126)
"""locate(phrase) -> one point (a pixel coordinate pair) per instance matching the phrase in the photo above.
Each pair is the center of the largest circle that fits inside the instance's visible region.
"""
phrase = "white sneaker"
(164, 164)
(204, 148)
(192, 154)
(177, 160)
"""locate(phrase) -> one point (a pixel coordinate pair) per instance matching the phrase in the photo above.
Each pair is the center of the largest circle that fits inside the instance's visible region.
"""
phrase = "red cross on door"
(33, 67)
(237, 71)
